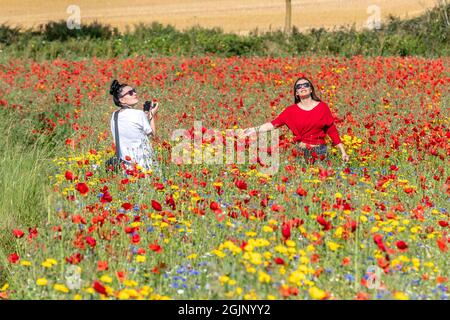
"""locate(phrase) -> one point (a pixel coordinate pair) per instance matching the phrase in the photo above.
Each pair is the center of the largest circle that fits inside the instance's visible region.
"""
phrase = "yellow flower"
(106, 279)
(401, 296)
(192, 256)
(316, 293)
(255, 258)
(130, 283)
(282, 270)
(89, 290)
(224, 279)
(123, 295)
(281, 249)
(145, 290)
(60, 288)
(267, 229)
(140, 258)
(296, 277)
(333, 246)
(219, 253)
(339, 232)
(290, 243)
(48, 263)
(263, 277)
(41, 282)
(251, 270)
(25, 263)
(5, 287)
(267, 255)
(77, 297)
(304, 260)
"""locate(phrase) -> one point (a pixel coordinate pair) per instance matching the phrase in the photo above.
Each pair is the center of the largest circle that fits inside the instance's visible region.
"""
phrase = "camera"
(149, 105)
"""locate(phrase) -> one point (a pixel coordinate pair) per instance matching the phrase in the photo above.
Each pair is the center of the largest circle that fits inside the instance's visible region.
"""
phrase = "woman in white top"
(135, 127)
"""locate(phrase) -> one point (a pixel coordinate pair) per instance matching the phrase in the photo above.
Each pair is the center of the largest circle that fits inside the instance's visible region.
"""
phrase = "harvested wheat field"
(232, 15)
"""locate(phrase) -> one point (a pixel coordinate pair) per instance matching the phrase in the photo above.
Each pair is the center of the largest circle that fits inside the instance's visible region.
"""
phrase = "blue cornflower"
(150, 229)
(349, 277)
(194, 272)
(442, 288)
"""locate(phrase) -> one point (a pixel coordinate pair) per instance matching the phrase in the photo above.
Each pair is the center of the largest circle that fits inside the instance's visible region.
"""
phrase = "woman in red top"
(310, 120)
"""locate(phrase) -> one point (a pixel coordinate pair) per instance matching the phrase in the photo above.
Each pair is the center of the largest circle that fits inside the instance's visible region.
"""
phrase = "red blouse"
(311, 126)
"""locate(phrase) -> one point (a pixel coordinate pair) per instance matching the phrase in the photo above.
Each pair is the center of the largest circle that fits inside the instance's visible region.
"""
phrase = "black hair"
(115, 90)
(313, 91)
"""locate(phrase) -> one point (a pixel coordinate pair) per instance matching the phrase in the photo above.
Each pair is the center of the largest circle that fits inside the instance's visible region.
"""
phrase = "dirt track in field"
(231, 15)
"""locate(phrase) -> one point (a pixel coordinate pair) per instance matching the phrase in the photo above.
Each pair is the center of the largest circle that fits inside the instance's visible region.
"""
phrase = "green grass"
(24, 169)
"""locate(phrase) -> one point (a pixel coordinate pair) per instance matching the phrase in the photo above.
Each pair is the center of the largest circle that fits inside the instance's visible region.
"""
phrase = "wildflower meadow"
(376, 227)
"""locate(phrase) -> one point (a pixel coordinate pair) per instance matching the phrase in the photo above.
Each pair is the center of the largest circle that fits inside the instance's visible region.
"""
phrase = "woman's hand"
(155, 109)
(345, 157)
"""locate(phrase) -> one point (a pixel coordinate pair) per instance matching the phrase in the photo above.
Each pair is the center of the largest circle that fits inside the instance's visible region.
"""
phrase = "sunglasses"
(302, 85)
(131, 92)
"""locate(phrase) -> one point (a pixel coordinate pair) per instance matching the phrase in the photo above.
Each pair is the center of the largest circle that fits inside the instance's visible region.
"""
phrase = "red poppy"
(135, 238)
(442, 244)
(301, 192)
(155, 248)
(345, 261)
(127, 206)
(325, 224)
(241, 184)
(443, 223)
(378, 239)
(13, 258)
(69, 175)
(75, 258)
(18, 233)
(401, 245)
(106, 197)
(279, 261)
(286, 231)
(121, 275)
(32, 233)
(90, 241)
(82, 188)
(99, 288)
(214, 206)
(156, 205)
(102, 265)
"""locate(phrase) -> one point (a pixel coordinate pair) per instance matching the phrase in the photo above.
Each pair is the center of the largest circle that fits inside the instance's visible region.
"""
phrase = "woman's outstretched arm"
(263, 128)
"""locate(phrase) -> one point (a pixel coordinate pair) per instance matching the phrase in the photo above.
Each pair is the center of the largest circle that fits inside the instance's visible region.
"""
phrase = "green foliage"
(58, 30)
